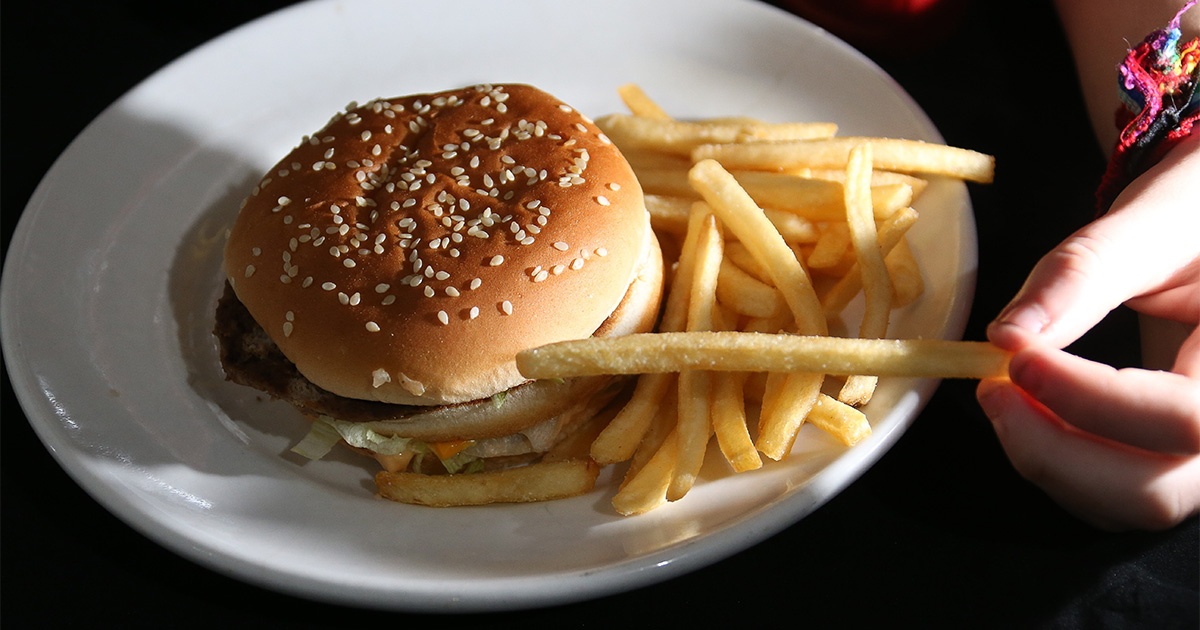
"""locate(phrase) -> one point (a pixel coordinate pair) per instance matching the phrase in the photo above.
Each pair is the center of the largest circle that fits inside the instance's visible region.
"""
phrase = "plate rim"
(33, 403)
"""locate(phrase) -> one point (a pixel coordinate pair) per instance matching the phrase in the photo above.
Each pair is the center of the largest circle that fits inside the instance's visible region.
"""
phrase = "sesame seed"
(601, 252)
(287, 329)
(476, 283)
(496, 260)
(507, 307)
(443, 317)
(372, 327)
(474, 312)
(328, 286)
(541, 275)
(429, 291)
(602, 200)
(249, 270)
(561, 246)
(379, 377)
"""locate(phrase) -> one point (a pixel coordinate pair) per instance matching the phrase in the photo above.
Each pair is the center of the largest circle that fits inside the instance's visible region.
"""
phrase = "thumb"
(1149, 235)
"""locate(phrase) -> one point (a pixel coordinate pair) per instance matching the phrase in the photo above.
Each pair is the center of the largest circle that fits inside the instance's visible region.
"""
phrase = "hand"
(1118, 448)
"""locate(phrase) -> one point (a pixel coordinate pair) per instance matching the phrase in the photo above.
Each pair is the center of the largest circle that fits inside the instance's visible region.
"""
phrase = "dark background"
(944, 533)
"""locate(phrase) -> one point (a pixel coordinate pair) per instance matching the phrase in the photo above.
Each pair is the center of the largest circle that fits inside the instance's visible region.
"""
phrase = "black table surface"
(945, 533)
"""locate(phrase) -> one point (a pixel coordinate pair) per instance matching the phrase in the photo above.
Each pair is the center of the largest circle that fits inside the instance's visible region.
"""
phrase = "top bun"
(410, 249)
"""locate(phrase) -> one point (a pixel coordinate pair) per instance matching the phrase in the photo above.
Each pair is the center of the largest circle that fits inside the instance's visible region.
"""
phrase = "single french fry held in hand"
(877, 283)
(543, 481)
(890, 154)
(644, 353)
(639, 103)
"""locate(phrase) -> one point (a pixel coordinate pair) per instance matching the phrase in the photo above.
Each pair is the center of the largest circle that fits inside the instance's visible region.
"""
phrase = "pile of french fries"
(777, 228)
(771, 230)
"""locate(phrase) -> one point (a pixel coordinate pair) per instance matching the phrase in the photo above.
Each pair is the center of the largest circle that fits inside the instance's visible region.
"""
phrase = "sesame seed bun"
(409, 249)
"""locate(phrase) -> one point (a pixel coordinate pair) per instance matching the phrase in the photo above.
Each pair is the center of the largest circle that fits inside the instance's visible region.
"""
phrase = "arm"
(1099, 33)
(1120, 448)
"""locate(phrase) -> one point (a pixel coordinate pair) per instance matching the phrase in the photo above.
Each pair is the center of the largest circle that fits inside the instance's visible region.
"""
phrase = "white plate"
(113, 273)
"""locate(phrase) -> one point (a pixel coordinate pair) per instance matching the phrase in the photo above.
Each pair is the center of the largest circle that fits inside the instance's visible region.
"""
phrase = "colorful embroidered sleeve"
(1160, 104)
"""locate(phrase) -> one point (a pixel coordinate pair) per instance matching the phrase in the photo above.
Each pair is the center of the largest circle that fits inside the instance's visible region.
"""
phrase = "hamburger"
(383, 275)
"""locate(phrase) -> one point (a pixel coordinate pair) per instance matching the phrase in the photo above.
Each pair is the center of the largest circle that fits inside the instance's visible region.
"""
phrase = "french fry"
(792, 227)
(647, 489)
(543, 481)
(795, 396)
(644, 353)
(745, 294)
(877, 283)
(662, 424)
(741, 257)
(816, 199)
(907, 282)
(639, 103)
(840, 420)
(695, 409)
(641, 159)
(729, 421)
(891, 154)
(680, 137)
(618, 440)
(878, 178)
(668, 214)
(831, 247)
(890, 233)
(810, 199)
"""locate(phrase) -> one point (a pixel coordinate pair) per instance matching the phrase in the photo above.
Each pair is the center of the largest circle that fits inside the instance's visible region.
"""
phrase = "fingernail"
(1025, 317)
